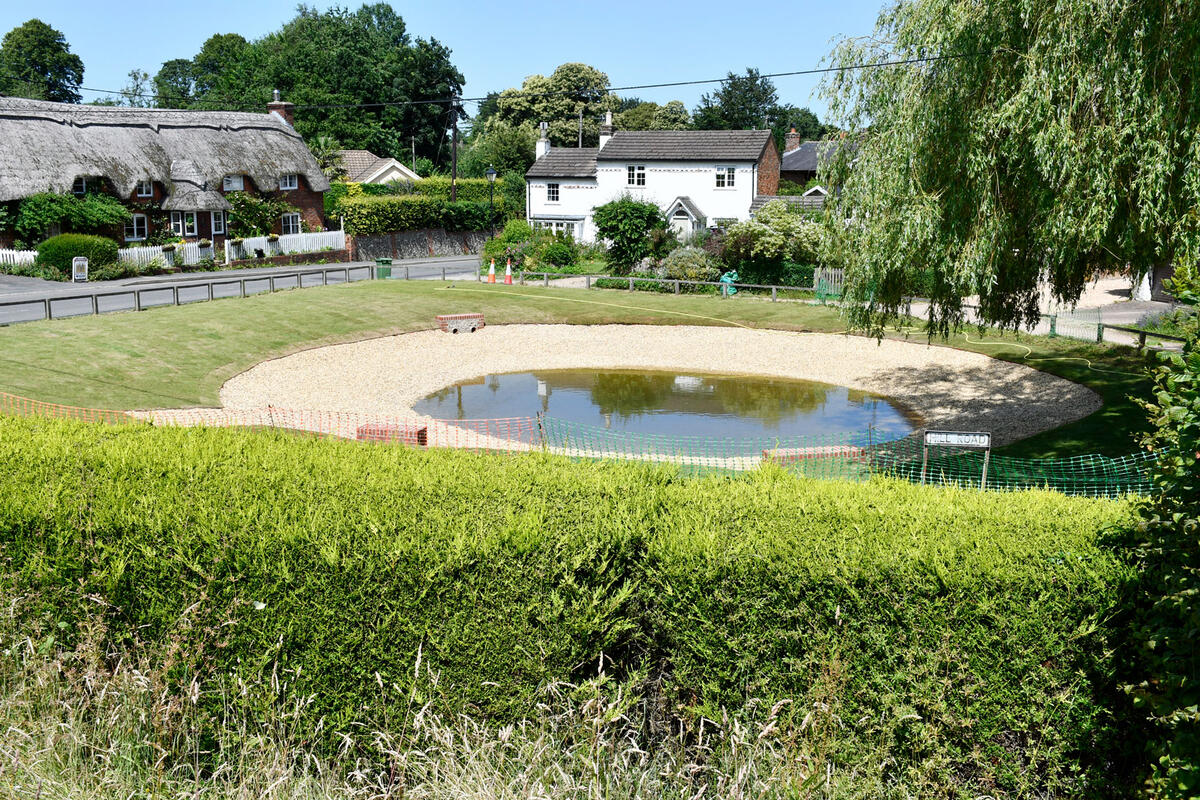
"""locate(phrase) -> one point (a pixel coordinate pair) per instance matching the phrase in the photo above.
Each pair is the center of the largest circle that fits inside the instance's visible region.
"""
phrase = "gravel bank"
(947, 388)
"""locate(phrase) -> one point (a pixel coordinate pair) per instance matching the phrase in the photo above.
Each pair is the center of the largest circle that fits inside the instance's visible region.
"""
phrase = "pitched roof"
(359, 165)
(686, 203)
(685, 146)
(45, 146)
(808, 155)
(565, 162)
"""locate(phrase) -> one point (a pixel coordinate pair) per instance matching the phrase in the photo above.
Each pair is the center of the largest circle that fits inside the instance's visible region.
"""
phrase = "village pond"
(674, 404)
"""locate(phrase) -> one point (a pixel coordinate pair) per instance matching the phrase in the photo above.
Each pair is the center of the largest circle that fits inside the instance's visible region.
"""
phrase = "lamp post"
(491, 176)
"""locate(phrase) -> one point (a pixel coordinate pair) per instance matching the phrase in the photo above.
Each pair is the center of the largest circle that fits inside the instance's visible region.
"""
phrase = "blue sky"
(496, 44)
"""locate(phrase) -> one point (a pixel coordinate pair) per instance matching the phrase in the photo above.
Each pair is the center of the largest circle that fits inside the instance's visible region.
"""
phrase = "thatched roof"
(44, 147)
(190, 192)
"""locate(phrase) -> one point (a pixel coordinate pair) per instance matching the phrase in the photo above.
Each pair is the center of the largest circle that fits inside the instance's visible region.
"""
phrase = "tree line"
(360, 80)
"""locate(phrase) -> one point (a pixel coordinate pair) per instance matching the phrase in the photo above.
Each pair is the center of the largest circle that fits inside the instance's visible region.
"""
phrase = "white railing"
(17, 257)
(288, 243)
(142, 255)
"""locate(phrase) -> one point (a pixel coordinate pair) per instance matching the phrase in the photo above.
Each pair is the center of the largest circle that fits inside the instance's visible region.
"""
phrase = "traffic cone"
(492, 272)
(508, 273)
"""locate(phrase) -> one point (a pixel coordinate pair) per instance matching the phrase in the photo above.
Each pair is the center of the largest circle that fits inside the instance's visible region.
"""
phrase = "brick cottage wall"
(768, 170)
(310, 204)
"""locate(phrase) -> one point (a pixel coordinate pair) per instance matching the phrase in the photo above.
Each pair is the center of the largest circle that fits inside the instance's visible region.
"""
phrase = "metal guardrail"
(139, 304)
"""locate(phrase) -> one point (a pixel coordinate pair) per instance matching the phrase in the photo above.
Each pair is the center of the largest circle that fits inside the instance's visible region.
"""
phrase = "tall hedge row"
(366, 215)
(966, 634)
(470, 190)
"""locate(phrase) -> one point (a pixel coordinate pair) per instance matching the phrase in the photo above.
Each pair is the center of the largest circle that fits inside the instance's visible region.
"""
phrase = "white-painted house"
(698, 178)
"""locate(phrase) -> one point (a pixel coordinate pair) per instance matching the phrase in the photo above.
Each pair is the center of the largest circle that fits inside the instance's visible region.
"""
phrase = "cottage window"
(79, 186)
(135, 229)
(177, 223)
(189, 223)
(291, 223)
(636, 175)
(145, 189)
(233, 183)
(288, 182)
(218, 223)
(551, 192)
(725, 177)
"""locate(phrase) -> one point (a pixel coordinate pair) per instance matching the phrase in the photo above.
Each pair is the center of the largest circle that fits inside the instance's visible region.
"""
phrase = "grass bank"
(281, 593)
(173, 357)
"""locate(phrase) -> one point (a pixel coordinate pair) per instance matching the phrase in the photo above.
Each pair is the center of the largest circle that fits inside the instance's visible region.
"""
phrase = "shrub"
(691, 264)
(58, 251)
(255, 215)
(560, 251)
(39, 212)
(626, 225)
(366, 215)
(964, 633)
(1167, 547)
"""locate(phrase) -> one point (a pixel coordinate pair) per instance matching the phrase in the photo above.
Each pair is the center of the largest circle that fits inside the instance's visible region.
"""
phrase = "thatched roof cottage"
(172, 163)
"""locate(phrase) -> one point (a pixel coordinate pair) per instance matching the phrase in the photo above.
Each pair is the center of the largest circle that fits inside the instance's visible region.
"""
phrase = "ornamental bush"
(58, 251)
(626, 225)
(366, 215)
(38, 213)
(690, 264)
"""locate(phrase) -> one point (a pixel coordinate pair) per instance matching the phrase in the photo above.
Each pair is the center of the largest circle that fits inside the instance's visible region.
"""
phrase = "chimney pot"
(283, 109)
(791, 141)
(543, 142)
(606, 130)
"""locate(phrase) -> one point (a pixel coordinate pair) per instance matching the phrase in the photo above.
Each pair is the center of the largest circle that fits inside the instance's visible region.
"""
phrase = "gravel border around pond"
(947, 388)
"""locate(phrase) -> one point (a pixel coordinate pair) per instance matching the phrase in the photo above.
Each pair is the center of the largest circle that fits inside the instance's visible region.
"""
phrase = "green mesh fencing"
(853, 456)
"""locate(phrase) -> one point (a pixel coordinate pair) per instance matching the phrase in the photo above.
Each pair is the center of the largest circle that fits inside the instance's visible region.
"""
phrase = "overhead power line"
(243, 105)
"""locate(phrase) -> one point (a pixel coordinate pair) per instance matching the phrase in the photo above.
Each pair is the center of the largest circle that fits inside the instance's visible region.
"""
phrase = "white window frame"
(189, 223)
(283, 224)
(289, 181)
(635, 175)
(145, 189)
(726, 177)
(233, 183)
(177, 223)
(217, 223)
(81, 183)
(552, 192)
(133, 225)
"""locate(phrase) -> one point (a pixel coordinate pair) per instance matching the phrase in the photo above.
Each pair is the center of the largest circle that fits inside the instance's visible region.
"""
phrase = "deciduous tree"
(37, 62)
(1033, 144)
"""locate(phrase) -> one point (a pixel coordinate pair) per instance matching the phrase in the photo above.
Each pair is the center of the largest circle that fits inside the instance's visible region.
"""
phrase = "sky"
(496, 44)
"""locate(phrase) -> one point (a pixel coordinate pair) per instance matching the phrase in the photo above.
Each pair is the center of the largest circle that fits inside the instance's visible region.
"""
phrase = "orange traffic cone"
(508, 273)
(492, 272)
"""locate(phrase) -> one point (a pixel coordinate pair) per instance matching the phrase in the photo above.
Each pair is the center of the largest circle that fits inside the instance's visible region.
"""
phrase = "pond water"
(673, 403)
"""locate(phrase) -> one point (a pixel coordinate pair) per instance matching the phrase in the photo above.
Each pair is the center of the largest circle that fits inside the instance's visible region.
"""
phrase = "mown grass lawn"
(171, 357)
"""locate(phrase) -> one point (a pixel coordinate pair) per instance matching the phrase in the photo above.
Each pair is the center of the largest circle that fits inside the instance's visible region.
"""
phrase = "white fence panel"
(830, 279)
(17, 257)
(142, 255)
(288, 243)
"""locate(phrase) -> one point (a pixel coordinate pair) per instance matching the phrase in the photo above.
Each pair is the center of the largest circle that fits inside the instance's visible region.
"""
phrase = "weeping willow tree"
(1027, 143)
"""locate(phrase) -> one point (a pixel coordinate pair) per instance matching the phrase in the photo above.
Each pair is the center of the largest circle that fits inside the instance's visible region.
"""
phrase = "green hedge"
(470, 190)
(966, 634)
(365, 215)
(58, 251)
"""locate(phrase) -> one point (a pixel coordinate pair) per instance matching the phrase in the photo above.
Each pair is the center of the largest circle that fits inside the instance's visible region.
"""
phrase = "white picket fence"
(288, 243)
(182, 255)
(17, 257)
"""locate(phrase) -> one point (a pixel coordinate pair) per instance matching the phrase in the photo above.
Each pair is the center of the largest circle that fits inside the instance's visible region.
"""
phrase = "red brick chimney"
(791, 141)
(283, 109)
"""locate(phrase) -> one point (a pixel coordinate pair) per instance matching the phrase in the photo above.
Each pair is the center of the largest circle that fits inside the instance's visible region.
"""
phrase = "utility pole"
(414, 153)
(581, 124)
(454, 149)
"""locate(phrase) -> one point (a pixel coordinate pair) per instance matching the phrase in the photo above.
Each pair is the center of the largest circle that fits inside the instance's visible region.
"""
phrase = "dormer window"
(725, 177)
(289, 182)
(635, 175)
(145, 189)
(233, 183)
(79, 187)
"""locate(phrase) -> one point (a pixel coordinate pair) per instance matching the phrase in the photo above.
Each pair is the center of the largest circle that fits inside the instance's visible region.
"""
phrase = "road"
(26, 299)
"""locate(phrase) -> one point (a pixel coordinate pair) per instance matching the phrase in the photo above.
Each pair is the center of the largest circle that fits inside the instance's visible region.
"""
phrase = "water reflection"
(671, 403)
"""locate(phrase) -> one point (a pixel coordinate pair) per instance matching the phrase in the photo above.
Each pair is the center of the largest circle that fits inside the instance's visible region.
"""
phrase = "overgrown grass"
(277, 594)
(171, 357)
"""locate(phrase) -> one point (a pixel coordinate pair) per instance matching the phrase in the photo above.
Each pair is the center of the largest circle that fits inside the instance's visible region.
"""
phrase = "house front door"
(681, 223)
